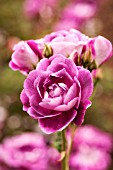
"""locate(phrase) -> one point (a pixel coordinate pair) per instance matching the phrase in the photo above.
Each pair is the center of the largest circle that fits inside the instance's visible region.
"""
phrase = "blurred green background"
(14, 26)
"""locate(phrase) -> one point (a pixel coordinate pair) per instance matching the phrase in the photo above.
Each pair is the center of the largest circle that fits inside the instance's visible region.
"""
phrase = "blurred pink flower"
(75, 14)
(27, 152)
(91, 149)
(89, 158)
(33, 8)
(93, 136)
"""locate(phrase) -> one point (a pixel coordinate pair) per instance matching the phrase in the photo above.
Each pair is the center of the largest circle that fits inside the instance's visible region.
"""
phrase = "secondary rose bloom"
(27, 152)
(33, 8)
(89, 158)
(75, 14)
(57, 93)
(91, 149)
(25, 57)
(74, 44)
(93, 136)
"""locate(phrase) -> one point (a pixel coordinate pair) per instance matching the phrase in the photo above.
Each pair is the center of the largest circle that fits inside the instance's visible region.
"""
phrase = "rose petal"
(43, 64)
(25, 100)
(81, 112)
(65, 48)
(34, 46)
(57, 123)
(54, 102)
(34, 114)
(62, 77)
(103, 50)
(73, 103)
(59, 62)
(29, 83)
(73, 92)
(34, 102)
(86, 83)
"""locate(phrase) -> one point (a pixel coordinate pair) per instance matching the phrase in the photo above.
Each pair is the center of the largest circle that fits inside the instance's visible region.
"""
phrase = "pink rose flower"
(75, 15)
(87, 133)
(89, 158)
(33, 8)
(57, 93)
(27, 151)
(91, 149)
(74, 44)
(25, 57)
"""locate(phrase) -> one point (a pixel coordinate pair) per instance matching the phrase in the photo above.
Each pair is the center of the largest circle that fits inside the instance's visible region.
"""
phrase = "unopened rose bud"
(92, 66)
(87, 57)
(47, 51)
(79, 60)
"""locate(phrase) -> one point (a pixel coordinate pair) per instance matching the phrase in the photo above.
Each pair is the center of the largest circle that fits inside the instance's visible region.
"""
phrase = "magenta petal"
(59, 62)
(13, 66)
(57, 58)
(103, 50)
(70, 105)
(43, 64)
(54, 102)
(25, 100)
(86, 83)
(72, 93)
(29, 83)
(81, 112)
(34, 102)
(33, 113)
(62, 76)
(72, 69)
(57, 123)
(34, 46)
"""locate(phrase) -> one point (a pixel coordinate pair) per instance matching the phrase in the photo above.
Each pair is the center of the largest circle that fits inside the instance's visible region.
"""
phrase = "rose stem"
(72, 128)
(65, 165)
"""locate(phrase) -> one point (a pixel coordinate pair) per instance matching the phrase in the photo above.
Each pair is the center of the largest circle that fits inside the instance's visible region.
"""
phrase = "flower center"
(56, 90)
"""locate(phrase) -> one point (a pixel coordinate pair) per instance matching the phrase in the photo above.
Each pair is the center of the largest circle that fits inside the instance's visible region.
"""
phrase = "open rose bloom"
(59, 82)
(57, 93)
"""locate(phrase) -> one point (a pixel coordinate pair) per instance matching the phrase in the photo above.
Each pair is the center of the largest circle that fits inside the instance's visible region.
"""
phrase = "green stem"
(72, 133)
(65, 165)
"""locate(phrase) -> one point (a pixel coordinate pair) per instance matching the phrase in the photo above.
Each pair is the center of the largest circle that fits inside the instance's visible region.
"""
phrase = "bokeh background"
(15, 25)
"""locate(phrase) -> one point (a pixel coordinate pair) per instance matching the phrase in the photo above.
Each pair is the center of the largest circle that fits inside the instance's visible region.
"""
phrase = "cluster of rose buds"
(59, 69)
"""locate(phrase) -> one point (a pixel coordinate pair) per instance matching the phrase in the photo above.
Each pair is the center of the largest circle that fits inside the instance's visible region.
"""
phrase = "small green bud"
(87, 57)
(79, 60)
(92, 66)
(47, 51)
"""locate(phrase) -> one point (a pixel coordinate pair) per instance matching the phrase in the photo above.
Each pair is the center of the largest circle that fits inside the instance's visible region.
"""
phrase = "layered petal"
(86, 83)
(81, 112)
(57, 123)
(103, 50)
